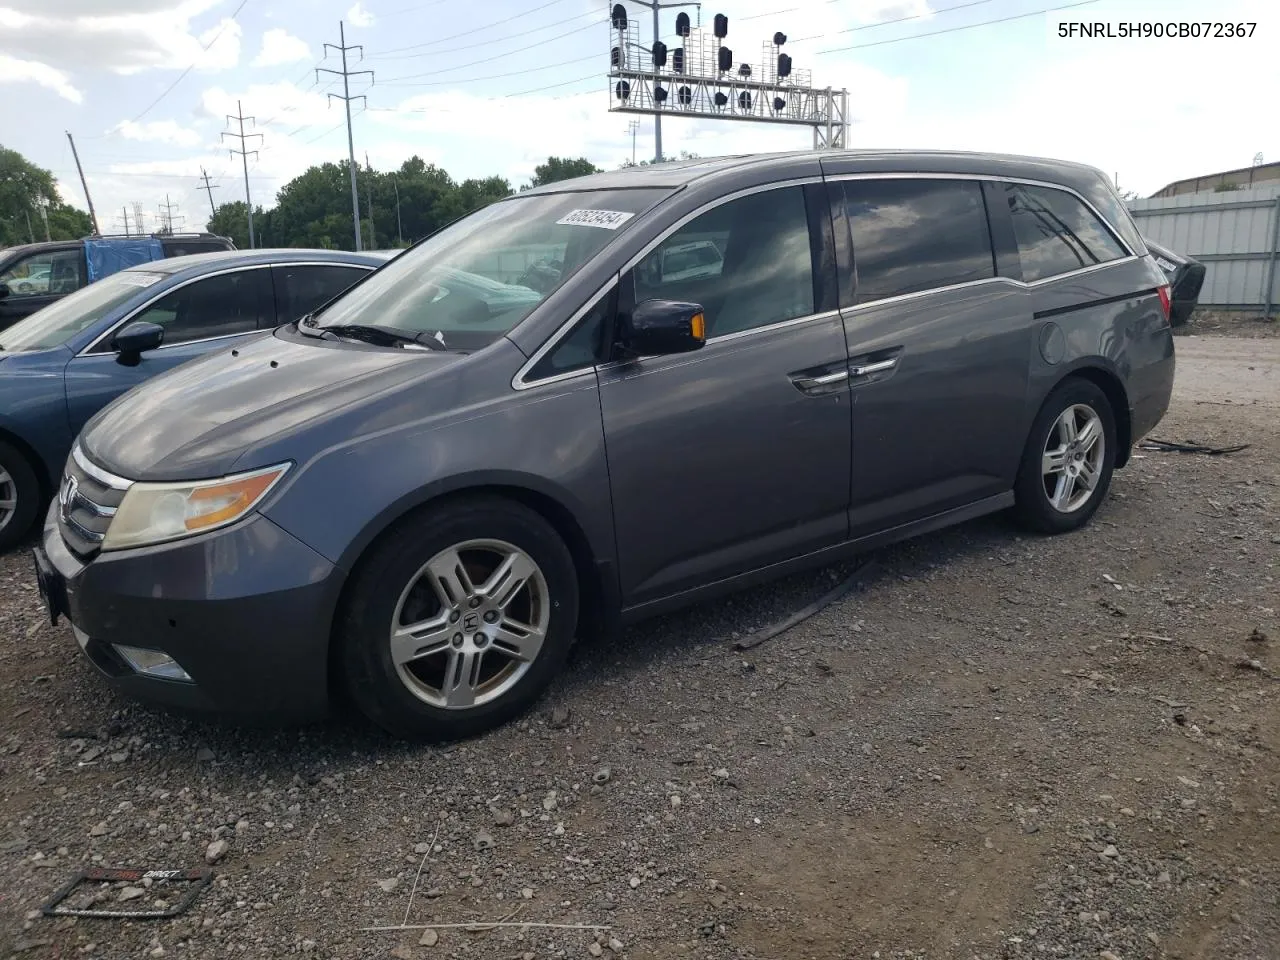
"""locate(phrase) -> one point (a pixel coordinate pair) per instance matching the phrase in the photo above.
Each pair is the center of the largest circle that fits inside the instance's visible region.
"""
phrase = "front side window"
(300, 289)
(747, 262)
(913, 235)
(57, 323)
(1056, 232)
(473, 282)
(218, 306)
(52, 272)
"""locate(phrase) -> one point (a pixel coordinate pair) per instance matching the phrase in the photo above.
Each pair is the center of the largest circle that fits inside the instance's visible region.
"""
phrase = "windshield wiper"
(370, 333)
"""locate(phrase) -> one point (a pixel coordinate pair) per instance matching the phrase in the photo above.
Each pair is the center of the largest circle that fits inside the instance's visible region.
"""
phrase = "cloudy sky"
(496, 86)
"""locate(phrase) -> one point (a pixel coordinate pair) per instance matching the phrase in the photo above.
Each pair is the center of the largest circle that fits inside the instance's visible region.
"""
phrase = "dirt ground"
(999, 747)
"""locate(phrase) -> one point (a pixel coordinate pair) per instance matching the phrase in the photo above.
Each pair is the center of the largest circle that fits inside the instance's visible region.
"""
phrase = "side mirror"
(660, 327)
(135, 340)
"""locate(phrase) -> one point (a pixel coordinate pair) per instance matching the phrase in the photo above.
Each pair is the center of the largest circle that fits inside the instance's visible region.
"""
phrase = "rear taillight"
(1165, 303)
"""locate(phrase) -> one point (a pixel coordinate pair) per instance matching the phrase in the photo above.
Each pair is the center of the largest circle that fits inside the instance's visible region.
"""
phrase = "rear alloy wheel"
(19, 496)
(1067, 464)
(459, 620)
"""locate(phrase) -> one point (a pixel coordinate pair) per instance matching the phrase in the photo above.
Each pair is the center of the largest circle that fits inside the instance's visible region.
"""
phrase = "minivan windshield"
(473, 281)
(57, 323)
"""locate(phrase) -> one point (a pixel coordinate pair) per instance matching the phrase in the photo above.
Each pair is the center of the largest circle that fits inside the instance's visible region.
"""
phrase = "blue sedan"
(62, 364)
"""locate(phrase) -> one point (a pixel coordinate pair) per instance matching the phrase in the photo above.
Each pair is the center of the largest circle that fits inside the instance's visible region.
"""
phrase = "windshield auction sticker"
(608, 219)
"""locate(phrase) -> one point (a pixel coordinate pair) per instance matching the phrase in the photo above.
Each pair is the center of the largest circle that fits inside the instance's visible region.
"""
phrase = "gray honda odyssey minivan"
(599, 400)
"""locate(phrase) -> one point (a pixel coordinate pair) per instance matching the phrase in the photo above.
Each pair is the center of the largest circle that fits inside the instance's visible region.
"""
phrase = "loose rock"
(216, 851)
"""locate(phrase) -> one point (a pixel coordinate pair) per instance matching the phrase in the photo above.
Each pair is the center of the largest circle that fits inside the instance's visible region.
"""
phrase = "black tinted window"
(50, 272)
(585, 347)
(301, 289)
(1056, 232)
(183, 248)
(215, 307)
(911, 235)
(747, 262)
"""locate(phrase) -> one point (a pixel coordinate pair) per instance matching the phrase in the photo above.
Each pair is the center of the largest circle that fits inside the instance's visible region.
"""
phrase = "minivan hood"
(195, 421)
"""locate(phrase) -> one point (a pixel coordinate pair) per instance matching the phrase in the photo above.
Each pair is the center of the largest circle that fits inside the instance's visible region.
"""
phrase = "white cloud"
(279, 47)
(13, 70)
(126, 41)
(158, 131)
(359, 15)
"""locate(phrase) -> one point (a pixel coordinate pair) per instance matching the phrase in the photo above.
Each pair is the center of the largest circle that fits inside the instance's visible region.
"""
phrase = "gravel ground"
(999, 747)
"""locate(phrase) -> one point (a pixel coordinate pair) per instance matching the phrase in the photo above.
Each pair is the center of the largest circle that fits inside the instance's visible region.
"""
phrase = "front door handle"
(817, 383)
(866, 369)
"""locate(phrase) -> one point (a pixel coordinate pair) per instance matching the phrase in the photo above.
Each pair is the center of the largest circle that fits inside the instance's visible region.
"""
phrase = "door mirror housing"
(135, 340)
(659, 327)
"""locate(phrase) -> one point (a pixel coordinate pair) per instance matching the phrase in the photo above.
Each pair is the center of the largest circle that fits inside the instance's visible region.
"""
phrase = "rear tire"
(491, 593)
(1068, 460)
(19, 496)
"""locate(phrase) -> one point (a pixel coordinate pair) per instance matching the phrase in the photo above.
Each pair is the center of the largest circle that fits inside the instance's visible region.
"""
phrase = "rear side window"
(1057, 233)
(302, 289)
(913, 235)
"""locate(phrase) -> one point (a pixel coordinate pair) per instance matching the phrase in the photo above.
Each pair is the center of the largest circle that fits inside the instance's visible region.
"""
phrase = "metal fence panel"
(1235, 234)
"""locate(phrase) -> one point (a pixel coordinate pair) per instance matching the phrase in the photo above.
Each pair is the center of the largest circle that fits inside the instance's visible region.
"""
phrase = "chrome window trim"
(105, 477)
(518, 382)
(998, 178)
(1008, 281)
(133, 314)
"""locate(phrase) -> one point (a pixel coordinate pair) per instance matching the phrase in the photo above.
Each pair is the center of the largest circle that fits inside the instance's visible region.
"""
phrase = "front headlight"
(158, 512)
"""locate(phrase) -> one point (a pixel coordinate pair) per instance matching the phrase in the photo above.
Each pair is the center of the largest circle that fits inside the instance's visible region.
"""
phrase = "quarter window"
(585, 346)
(913, 235)
(748, 263)
(1056, 232)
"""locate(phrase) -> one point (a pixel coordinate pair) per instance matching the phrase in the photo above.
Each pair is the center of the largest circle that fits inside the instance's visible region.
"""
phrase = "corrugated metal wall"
(1232, 233)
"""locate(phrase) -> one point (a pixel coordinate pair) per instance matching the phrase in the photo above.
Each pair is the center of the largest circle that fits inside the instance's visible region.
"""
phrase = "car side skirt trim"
(1085, 305)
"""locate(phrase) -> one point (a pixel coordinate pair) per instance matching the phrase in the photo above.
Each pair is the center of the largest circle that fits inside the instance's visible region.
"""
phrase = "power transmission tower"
(632, 127)
(208, 188)
(138, 217)
(166, 214)
(244, 155)
(125, 212)
(346, 97)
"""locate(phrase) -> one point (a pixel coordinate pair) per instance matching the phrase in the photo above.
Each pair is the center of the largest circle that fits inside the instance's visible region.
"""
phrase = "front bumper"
(246, 612)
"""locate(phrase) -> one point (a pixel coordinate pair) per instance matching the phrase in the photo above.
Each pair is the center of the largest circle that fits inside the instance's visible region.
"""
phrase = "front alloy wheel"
(458, 619)
(470, 624)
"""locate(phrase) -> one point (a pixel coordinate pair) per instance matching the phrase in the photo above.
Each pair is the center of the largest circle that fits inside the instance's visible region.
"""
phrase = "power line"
(498, 56)
(467, 33)
(346, 97)
(493, 76)
(968, 26)
(183, 75)
(886, 23)
(480, 43)
(244, 157)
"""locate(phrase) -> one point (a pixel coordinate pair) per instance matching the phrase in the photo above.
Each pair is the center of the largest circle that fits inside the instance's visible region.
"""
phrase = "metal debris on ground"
(1190, 447)
(804, 613)
(196, 881)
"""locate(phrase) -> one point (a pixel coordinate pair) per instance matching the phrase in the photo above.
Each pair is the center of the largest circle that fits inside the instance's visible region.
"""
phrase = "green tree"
(684, 155)
(231, 220)
(28, 191)
(561, 168)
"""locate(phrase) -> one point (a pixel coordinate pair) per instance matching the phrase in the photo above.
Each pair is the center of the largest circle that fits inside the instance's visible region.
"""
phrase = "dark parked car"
(34, 275)
(424, 499)
(60, 366)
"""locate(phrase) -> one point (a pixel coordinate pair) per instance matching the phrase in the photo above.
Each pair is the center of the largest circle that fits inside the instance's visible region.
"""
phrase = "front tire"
(1068, 460)
(459, 620)
(19, 496)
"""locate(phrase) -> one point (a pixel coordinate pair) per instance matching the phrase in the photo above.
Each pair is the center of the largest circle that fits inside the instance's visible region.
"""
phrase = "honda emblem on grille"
(67, 495)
